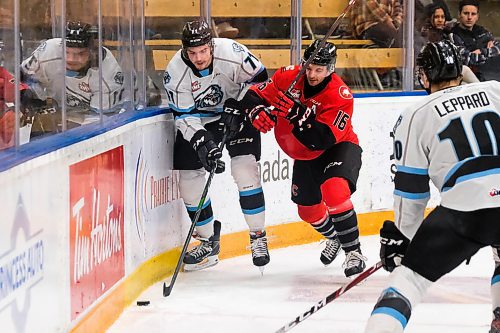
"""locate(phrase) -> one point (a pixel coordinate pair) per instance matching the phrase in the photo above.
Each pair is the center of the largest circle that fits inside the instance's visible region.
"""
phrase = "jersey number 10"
(485, 129)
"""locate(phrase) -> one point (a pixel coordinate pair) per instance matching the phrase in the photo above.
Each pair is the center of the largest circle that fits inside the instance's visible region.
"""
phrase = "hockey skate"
(205, 254)
(331, 251)
(258, 245)
(495, 323)
(354, 263)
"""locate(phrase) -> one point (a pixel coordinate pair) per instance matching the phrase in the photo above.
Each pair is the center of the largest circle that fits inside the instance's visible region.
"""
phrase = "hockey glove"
(261, 119)
(208, 152)
(231, 120)
(393, 246)
(297, 113)
(283, 104)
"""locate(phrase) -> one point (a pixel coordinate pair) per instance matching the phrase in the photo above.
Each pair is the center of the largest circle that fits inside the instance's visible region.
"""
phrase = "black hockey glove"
(393, 246)
(231, 120)
(208, 152)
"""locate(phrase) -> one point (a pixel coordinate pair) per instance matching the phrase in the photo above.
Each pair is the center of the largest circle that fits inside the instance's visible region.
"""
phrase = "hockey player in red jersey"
(313, 126)
(7, 114)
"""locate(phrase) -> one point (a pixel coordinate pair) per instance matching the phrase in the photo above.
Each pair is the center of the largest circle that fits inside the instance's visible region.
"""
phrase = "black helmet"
(440, 61)
(327, 56)
(78, 34)
(196, 33)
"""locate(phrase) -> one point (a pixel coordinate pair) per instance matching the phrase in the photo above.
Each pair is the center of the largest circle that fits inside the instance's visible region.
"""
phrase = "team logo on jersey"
(295, 93)
(237, 48)
(494, 192)
(331, 165)
(118, 78)
(211, 97)
(166, 78)
(84, 86)
(74, 101)
(195, 86)
(344, 92)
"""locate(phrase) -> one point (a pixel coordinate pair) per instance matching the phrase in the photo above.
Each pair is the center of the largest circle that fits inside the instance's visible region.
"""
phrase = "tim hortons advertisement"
(96, 227)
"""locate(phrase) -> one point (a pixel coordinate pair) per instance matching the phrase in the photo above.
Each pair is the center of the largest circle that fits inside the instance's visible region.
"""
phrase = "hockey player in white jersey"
(452, 137)
(44, 71)
(204, 81)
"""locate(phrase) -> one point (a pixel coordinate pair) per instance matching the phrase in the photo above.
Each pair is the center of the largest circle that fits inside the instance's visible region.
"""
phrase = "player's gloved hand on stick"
(393, 246)
(283, 104)
(261, 119)
(208, 152)
(297, 113)
(231, 120)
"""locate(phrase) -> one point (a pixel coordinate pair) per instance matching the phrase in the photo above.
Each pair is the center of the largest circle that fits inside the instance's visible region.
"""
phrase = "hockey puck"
(143, 303)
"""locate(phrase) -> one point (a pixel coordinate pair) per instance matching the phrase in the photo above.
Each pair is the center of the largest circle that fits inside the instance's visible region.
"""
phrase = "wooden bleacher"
(273, 53)
(346, 58)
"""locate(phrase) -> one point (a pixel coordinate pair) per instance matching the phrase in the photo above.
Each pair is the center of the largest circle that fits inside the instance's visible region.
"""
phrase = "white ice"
(233, 297)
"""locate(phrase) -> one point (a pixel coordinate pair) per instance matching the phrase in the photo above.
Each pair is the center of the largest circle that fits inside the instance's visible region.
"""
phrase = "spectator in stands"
(436, 27)
(225, 29)
(477, 45)
(379, 21)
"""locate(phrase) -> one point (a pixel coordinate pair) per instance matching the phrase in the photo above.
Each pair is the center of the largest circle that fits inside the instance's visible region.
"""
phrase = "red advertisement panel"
(96, 227)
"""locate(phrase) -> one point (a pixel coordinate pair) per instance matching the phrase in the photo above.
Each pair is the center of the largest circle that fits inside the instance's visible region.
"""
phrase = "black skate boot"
(331, 251)
(354, 263)
(258, 245)
(206, 254)
(495, 323)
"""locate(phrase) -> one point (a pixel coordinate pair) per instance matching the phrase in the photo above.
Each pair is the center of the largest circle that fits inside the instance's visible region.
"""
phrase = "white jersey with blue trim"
(45, 70)
(198, 97)
(452, 138)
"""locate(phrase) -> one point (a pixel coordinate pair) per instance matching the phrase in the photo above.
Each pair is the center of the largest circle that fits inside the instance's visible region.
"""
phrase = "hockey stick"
(322, 43)
(168, 289)
(361, 277)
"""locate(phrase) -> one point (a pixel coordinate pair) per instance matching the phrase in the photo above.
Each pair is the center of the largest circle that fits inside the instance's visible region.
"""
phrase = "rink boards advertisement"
(87, 227)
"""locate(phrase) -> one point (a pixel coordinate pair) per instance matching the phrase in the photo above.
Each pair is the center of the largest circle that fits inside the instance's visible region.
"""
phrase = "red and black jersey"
(7, 89)
(333, 107)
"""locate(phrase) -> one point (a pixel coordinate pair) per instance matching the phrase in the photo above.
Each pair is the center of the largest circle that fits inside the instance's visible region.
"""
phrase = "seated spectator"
(436, 27)
(379, 21)
(477, 45)
(224, 29)
(44, 71)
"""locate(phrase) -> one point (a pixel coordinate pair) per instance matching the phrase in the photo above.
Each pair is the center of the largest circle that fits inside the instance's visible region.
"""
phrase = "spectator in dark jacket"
(476, 44)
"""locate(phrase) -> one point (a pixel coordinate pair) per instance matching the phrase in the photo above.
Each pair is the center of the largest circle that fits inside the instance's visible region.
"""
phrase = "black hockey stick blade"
(361, 277)
(168, 289)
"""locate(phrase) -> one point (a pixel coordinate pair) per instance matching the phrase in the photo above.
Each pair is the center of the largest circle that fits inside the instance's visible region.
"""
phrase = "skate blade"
(261, 269)
(208, 262)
